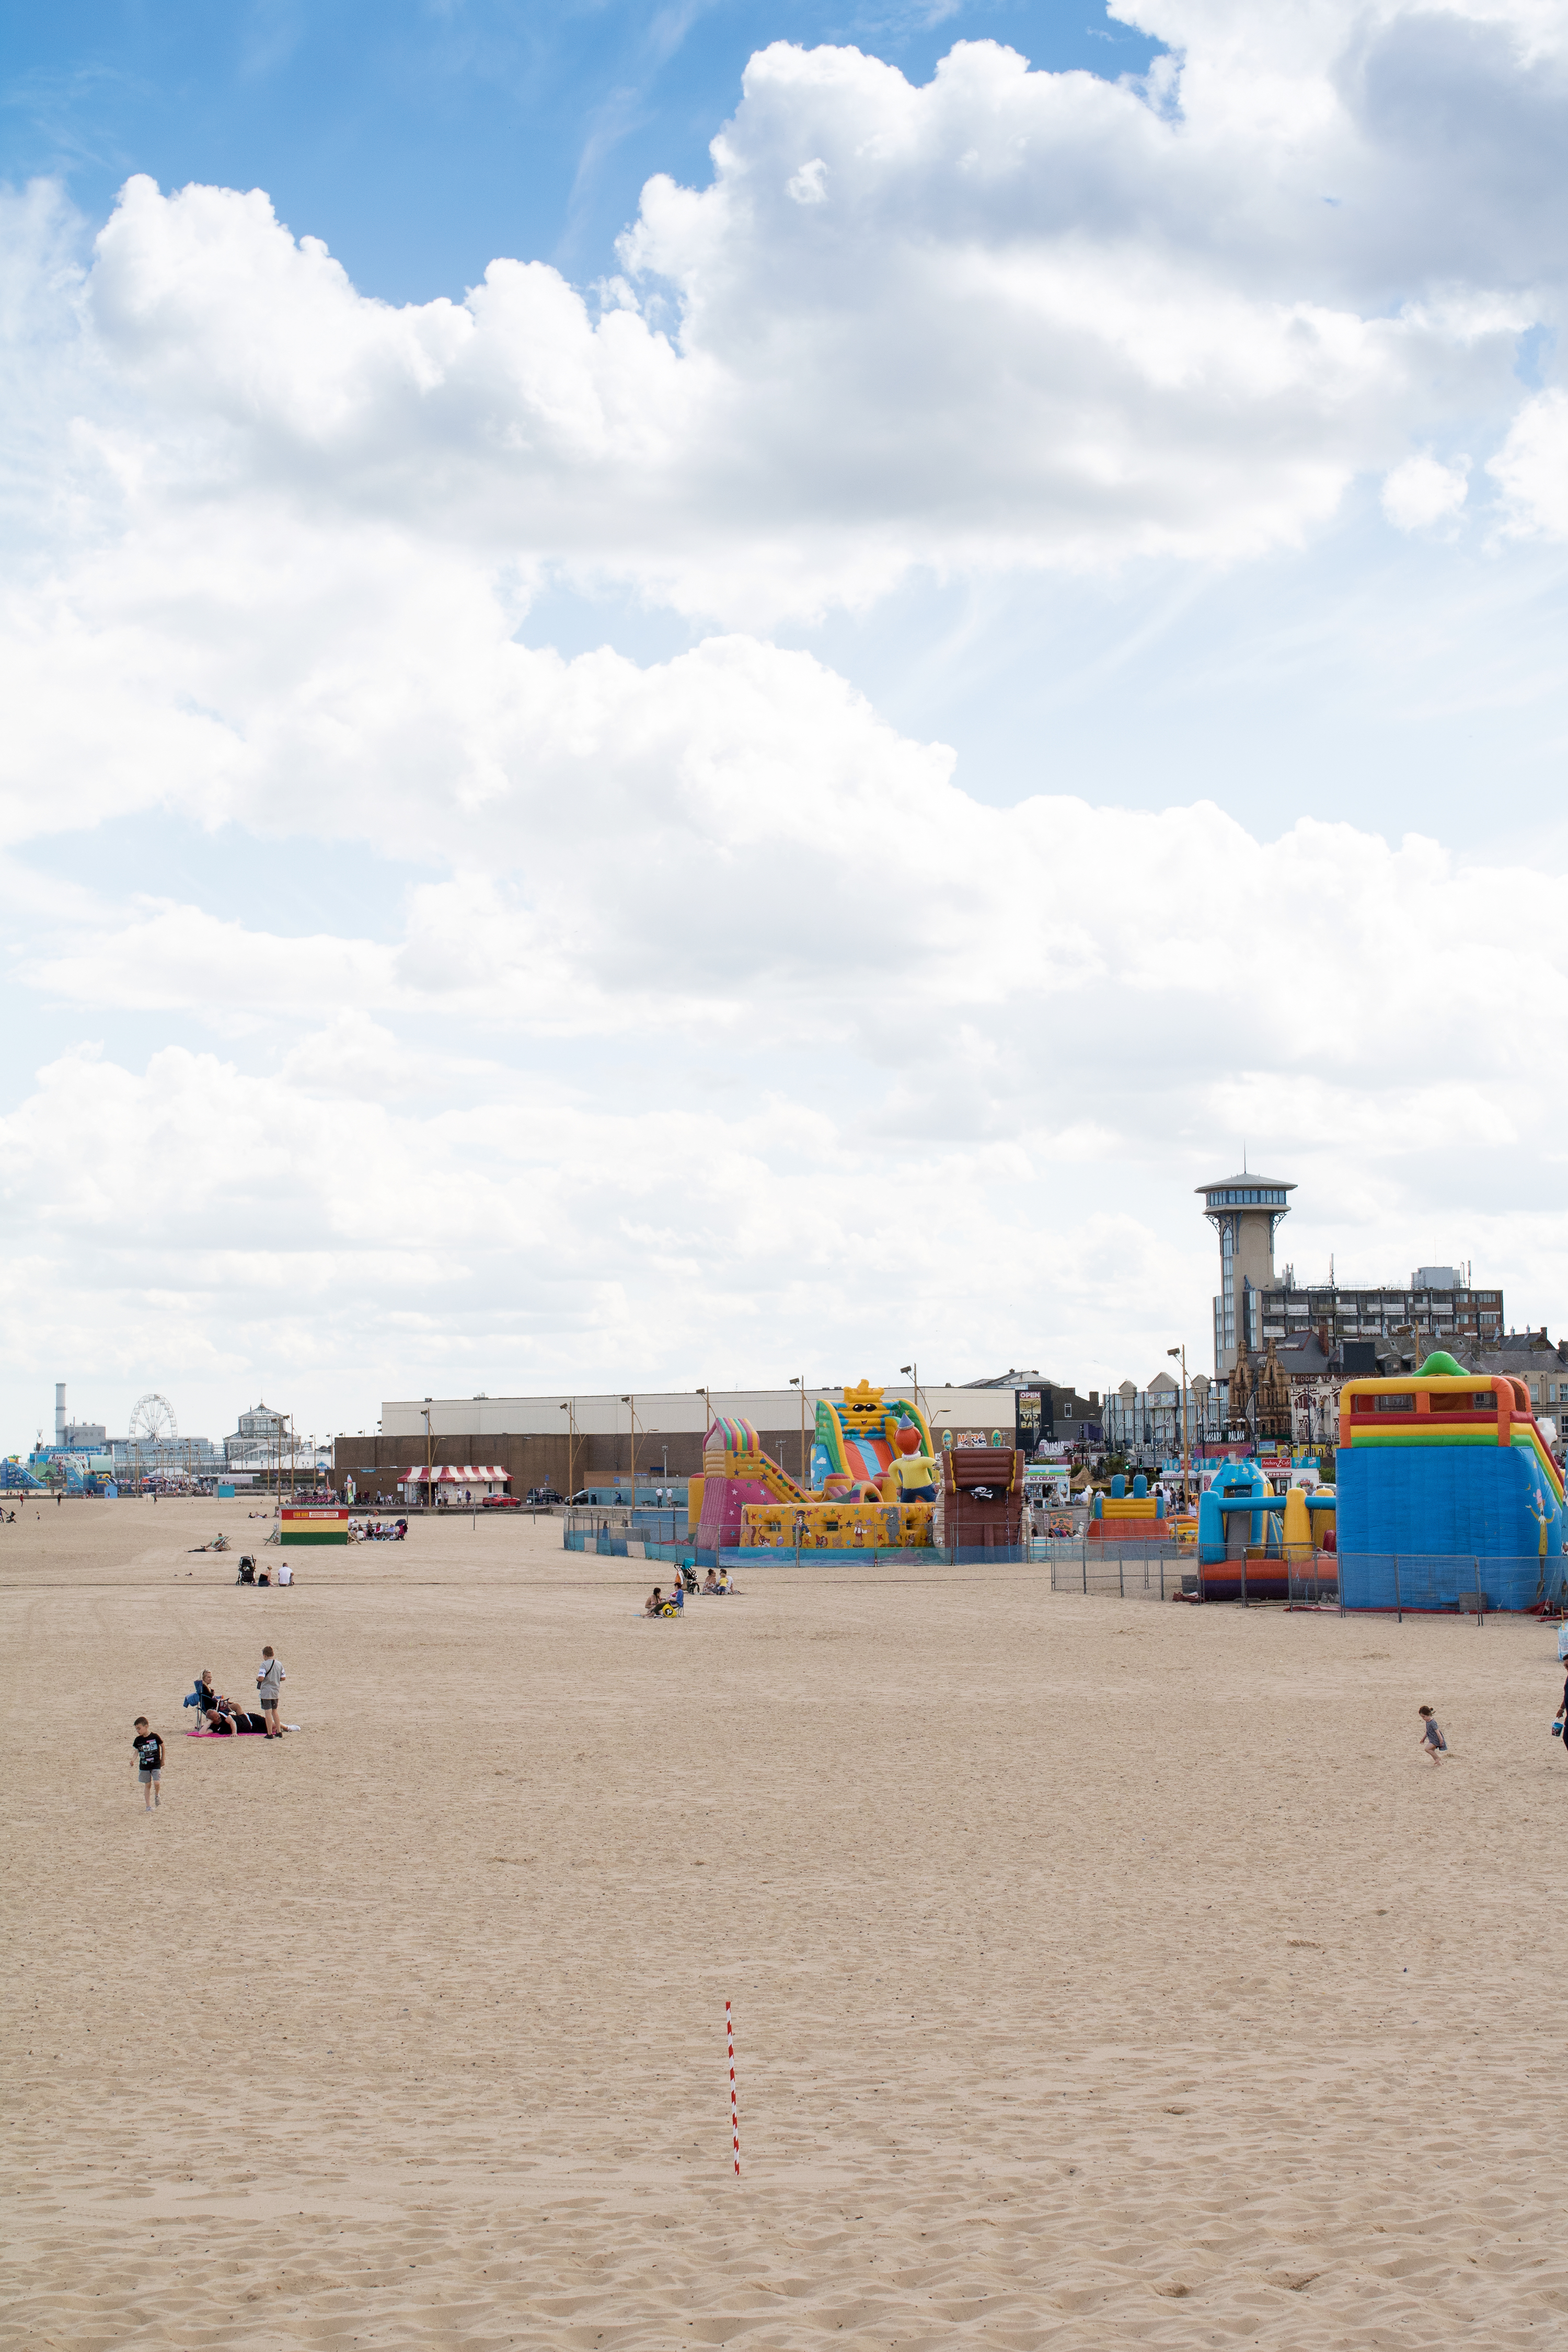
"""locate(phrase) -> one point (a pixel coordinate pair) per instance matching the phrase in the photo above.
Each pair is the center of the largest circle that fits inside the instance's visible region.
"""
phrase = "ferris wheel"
(152, 1421)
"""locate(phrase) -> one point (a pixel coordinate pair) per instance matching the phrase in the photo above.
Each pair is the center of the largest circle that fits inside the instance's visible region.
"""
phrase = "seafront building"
(573, 1442)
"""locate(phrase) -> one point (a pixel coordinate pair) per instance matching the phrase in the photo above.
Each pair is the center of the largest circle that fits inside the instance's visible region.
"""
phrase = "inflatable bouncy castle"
(1446, 1489)
(1129, 1514)
(874, 1483)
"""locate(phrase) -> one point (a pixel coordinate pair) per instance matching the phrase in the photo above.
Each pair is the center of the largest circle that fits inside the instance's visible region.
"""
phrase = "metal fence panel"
(1448, 1583)
(1130, 1572)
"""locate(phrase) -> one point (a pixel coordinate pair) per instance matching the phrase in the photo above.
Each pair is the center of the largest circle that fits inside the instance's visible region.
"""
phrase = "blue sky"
(419, 141)
(623, 764)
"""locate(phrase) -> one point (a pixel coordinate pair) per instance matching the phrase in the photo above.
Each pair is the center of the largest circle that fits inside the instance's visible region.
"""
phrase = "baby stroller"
(247, 1569)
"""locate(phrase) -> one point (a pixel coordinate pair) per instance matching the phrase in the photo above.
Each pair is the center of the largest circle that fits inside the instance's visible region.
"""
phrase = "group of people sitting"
(661, 1604)
(224, 1718)
(377, 1530)
(251, 1574)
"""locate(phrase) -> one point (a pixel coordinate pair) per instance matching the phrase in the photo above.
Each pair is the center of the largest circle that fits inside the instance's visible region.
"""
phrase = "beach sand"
(1104, 1973)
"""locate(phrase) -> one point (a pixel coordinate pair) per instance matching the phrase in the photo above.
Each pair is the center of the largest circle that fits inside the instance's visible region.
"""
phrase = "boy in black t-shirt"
(149, 1749)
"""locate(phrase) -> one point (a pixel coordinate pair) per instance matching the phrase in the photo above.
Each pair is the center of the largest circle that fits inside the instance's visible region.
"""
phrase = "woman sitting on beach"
(653, 1605)
(712, 1582)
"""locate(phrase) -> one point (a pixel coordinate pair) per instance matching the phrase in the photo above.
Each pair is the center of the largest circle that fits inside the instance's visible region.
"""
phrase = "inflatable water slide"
(736, 1472)
(855, 1445)
(1447, 1483)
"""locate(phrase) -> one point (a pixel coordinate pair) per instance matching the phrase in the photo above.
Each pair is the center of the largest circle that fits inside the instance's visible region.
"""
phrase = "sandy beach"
(1103, 1972)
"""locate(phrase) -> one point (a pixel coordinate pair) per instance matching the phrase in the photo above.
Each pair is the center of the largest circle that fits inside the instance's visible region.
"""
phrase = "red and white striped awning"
(451, 1473)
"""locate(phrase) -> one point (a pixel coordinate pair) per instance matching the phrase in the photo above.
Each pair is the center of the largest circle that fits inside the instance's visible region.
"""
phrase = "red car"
(499, 1503)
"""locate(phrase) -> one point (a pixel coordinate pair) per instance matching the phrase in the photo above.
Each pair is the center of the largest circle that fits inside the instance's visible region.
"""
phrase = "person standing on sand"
(1434, 1747)
(149, 1747)
(268, 1677)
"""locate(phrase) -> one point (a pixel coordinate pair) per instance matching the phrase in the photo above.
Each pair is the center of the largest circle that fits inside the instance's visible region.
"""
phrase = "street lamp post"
(798, 1381)
(569, 1408)
(630, 1403)
(1186, 1457)
(914, 1373)
(428, 1463)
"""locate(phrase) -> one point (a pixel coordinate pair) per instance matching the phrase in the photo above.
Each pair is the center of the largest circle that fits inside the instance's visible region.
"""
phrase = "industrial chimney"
(60, 1415)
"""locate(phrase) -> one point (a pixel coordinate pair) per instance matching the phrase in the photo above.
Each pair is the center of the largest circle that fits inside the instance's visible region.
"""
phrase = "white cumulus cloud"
(1423, 492)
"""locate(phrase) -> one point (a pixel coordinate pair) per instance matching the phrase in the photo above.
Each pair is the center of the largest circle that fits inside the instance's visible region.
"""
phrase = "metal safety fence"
(1396, 1584)
(1127, 1572)
(1421, 1583)
(620, 1533)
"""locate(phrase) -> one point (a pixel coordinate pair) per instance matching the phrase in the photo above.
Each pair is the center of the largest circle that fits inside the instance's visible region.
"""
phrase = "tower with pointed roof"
(1244, 1211)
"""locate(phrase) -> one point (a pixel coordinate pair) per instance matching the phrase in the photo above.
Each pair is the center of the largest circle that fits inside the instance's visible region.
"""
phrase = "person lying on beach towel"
(221, 1715)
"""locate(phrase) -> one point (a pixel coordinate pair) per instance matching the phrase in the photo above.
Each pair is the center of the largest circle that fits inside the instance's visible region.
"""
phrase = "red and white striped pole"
(734, 2112)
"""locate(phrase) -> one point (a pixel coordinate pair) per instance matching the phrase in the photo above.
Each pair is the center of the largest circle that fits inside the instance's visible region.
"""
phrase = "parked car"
(582, 1498)
(542, 1494)
(501, 1503)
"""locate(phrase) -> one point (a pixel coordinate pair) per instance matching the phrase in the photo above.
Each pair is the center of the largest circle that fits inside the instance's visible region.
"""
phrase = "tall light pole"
(1186, 1457)
(798, 1381)
(569, 1408)
(914, 1373)
(428, 1465)
(630, 1403)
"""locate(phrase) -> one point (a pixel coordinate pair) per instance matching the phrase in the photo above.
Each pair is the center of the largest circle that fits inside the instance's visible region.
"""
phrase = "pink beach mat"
(227, 1736)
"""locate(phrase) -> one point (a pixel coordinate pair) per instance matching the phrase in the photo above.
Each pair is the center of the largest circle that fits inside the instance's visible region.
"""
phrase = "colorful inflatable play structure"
(876, 1484)
(1255, 1543)
(1447, 1487)
(1127, 1514)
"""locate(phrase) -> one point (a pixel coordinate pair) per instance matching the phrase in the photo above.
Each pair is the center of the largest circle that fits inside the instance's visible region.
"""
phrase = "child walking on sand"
(149, 1747)
(1434, 1747)
(266, 1681)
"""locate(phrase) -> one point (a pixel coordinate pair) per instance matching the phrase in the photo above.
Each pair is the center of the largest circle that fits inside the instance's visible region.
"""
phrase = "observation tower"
(1244, 1211)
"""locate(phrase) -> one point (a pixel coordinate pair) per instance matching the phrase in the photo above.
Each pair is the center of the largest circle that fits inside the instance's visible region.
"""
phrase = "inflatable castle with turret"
(876, 1484)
